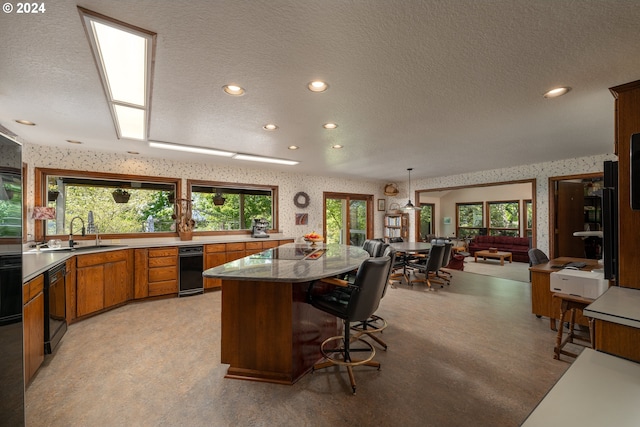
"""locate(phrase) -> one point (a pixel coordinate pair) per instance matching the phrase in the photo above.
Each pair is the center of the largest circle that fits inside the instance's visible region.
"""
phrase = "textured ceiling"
(443, 87)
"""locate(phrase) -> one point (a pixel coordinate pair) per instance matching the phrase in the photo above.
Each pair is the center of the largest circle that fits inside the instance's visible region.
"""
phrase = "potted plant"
(120, 195)
(52, 195)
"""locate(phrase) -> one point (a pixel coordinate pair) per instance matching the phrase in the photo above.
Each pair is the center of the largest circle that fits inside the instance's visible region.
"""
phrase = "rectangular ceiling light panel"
(124, 56)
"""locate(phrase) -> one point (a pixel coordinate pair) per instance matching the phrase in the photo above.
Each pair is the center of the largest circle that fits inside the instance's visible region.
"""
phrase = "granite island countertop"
(37, 262)
(336, 259)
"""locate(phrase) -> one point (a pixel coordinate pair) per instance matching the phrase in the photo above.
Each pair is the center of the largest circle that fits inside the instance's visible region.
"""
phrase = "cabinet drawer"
(162, 274)
(216, 247)
(254, 245)
(270, 244)
(101, 258)
(163, 288)
(235, 247)
(32, 288)
(163, 261)
(163, 252)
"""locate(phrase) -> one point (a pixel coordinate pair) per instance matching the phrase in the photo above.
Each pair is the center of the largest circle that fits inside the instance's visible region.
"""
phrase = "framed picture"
(302, 218)
(381, 204)
(447, 220)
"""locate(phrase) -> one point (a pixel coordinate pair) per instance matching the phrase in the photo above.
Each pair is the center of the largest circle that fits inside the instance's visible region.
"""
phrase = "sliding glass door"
(348, 218)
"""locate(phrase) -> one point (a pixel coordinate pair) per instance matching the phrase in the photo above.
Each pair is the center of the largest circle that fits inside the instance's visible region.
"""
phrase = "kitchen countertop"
(37, 262)
(597, 390)
(336, 260)
(617, 305)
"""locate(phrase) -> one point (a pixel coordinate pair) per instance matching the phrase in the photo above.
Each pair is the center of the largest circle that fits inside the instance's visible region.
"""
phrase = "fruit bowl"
(313, 238)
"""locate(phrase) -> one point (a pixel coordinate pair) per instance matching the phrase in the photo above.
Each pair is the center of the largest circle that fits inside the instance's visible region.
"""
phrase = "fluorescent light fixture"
(190, 149)
(124, 55)
(265, 159)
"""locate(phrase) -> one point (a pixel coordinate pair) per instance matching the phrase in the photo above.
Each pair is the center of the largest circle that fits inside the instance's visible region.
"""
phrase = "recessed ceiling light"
(25, 122)
(269, 126)
(559, 91)
(233, 90)
(133, 152)
(317, 86)
(73, 141)
(293, 147)
(337, 146)
(329, 125)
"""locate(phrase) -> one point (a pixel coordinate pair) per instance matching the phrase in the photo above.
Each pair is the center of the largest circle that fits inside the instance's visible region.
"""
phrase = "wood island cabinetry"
(33, 326)
(103, 280)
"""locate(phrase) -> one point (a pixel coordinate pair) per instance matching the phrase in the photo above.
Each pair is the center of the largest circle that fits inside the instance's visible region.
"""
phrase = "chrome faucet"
(71, 242)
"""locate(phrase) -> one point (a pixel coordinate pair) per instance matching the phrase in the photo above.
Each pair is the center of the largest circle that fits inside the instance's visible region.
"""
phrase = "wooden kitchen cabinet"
(214, 255)
(163, 271)
(70, 289)
(103, 280)
(33, 326)
(235, 251)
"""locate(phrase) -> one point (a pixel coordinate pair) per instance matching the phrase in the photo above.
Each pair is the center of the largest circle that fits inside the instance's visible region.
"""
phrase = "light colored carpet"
(491, 267)
(470, 354)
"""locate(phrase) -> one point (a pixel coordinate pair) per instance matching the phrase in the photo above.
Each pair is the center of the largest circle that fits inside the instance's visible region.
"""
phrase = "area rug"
(518, 271)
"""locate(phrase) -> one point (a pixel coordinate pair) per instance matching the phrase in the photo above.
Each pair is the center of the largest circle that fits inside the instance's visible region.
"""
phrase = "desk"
(269, 332)
(541, 300)
(597, 390)
(407, 248)
(617, 322)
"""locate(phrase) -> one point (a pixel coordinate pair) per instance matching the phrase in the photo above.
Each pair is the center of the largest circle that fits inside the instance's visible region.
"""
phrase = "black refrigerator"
(610, 220)
(11, 350)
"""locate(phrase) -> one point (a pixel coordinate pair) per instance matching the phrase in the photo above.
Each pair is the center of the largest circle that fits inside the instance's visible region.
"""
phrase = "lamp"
(409, 206)
(43, 213)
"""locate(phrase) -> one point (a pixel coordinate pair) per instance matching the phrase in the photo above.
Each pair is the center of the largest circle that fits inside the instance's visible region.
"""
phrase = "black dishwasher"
(191, 267)
(55, 323)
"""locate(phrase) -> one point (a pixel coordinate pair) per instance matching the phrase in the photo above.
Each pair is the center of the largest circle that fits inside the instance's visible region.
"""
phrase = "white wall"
(291, 183)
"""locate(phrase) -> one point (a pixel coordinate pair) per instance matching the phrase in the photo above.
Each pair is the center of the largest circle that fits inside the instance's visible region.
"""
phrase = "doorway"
(426, 226)
(348, 218)
(575, 204)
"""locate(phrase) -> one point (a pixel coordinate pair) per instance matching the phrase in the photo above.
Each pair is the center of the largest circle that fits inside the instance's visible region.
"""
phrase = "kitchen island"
(269, 332)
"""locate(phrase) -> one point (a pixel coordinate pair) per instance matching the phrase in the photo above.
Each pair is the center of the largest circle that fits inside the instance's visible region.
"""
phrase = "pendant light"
(409, 206)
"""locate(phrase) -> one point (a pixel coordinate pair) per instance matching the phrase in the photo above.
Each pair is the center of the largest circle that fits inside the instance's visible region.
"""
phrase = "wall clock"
(301, 199)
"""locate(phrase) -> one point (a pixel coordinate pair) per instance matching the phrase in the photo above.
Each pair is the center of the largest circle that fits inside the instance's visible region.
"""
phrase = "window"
(504, 218)
(470, 219)
(528, 218)
(110, 204)
(224, 207)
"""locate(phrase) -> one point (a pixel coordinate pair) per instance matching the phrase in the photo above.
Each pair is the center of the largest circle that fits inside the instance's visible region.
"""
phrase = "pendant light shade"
(410, 206)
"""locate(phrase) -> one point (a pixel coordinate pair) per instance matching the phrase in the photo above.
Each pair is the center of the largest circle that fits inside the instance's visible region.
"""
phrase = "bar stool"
(568, 305)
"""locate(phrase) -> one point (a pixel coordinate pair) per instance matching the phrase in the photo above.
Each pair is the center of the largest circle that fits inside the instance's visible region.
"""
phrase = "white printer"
(586, 284)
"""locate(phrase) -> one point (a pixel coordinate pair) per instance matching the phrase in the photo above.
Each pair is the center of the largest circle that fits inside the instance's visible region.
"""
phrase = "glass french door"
(348, 218)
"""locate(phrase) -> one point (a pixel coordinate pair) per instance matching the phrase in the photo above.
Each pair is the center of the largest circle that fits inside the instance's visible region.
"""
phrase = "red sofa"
(518, 246)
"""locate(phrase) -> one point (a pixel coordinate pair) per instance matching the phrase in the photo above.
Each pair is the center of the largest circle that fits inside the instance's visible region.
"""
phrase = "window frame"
(40, 194)
(220, 184)
(488, 216)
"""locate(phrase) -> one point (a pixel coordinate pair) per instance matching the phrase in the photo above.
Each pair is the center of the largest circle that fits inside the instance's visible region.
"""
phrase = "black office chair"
(446, 257)
(354, 306)
(375, 323)
(374, 247)
(536, 256)
(430, 266)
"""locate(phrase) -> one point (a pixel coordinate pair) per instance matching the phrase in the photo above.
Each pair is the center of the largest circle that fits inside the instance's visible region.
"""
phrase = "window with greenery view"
(504, 218)
(224, 206)
(116, 206)
(528, 211)
(470, 219)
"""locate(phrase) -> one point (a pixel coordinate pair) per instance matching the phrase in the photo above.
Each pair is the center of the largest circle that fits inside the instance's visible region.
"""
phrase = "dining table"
(407, 251)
